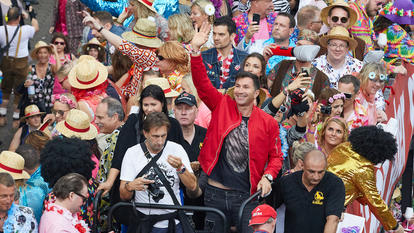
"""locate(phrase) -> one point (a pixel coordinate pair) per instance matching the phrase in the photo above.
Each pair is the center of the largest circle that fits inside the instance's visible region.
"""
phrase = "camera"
(326, 110)
(154, 189)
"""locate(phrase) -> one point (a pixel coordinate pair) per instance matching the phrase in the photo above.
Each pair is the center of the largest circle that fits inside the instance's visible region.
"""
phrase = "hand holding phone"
(256, 19)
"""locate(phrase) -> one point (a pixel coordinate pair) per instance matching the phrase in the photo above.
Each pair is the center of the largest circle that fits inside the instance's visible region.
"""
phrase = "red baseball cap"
(261, 214)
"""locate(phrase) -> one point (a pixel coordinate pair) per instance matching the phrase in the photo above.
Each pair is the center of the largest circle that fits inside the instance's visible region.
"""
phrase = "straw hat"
(93, 41)
(31, 110)
(352, 13)
(77, 124)
(40, 44)
(148, 4)
(339, 33)
(165, 86)
(87, 73)
(262, 95)
(13, 164)
(144, 33)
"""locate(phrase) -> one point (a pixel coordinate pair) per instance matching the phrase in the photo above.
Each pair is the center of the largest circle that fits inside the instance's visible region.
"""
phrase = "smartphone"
(256, 19)
(306, 70)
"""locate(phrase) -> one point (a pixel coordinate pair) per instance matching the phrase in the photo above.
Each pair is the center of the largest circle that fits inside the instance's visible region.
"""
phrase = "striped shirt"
(279, 6)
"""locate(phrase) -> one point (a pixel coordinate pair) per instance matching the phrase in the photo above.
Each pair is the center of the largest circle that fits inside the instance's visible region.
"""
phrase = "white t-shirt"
(27, 33)
(134, 161)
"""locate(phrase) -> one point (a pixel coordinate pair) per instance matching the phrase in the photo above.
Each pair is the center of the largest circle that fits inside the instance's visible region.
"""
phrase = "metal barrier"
(170, 207)
(243, 205)
(96, 204)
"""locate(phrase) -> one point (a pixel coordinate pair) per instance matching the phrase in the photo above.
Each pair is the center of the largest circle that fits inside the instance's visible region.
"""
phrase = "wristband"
(100, 29)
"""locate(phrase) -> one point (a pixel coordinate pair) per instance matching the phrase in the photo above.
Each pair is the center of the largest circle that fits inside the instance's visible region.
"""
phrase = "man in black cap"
(186, 111)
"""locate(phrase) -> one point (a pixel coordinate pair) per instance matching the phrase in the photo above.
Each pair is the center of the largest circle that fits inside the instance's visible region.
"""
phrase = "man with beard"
(363, 27)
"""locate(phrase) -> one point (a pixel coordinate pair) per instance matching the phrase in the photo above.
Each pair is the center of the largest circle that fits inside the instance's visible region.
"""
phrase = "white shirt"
(134, 161)
(27, 33)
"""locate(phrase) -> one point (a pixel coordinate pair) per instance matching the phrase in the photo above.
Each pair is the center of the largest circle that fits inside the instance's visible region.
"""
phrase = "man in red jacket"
(241, 152)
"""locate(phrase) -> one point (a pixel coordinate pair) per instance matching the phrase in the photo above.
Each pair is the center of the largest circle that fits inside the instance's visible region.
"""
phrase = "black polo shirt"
(307, 211)
(193, 150)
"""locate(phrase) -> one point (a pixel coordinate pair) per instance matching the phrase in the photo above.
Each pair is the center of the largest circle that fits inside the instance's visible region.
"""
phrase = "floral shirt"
(43, 87)
(359, 116)
(242, 23)
(20, 219)
(59, 219)
(142, 58)
(363, 27)
(175, 79)
(351, 65)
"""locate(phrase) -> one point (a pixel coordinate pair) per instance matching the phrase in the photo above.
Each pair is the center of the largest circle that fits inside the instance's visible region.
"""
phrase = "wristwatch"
(268, 177)
(182, 170)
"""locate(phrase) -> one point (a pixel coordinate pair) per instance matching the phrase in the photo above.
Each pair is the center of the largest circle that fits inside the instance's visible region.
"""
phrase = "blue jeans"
(229, 202)
(178, 229)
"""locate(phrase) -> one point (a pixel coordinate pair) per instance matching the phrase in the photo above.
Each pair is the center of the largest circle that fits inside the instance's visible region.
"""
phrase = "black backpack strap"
(152, 160)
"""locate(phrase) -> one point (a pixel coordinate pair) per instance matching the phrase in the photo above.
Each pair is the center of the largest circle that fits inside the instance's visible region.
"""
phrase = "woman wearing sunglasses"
(373, 77)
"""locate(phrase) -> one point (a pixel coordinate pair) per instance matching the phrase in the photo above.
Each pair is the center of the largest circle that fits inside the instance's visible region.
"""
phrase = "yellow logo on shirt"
(201, 145)
(318, 198)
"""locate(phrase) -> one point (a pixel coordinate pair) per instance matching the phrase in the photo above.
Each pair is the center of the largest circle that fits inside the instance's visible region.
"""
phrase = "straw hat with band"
(40, 44)
(339, 3)
(13, 164)
(164, 84)
(77, 124)
(31, 110)
(339, 33)
(144, 33)
(87, 73)
(92, 42)
(262, 95)
(148, 4)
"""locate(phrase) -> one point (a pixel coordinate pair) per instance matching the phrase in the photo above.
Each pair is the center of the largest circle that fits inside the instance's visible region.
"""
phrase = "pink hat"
(261, 214)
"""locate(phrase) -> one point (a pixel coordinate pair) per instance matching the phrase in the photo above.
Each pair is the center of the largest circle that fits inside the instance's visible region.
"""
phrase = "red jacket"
(265, 155)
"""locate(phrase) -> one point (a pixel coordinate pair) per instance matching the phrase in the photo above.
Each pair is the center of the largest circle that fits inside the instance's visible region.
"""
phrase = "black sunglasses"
(59, 43)
(83, 197)
(336, 18)
(60, 112)
(347, 95)
(160, 57)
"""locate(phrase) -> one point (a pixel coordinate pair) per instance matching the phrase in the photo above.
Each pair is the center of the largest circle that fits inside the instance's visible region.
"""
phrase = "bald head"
(315, 156)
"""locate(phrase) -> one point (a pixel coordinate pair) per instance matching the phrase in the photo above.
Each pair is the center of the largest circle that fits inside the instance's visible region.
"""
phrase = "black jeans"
(229, 202)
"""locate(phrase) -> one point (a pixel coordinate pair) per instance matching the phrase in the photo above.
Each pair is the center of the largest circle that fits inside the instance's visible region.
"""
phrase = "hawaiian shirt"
(351, 65)
(175, 79)
(142, 58)
(20, 219)
(225, 66)
(359, 116)
(105, 161)
(242, 23)
(399, 45)
(363, 27)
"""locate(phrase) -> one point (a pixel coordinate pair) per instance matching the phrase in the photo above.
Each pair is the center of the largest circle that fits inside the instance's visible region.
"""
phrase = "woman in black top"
(152, 99)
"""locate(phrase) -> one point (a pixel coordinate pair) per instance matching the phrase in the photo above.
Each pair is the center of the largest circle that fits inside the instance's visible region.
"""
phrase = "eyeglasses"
(60, 112)
(372, 76)
(58, 43)
(336, 18)
(340, 46)
(347, 95)
(84, 199)
(160, 57)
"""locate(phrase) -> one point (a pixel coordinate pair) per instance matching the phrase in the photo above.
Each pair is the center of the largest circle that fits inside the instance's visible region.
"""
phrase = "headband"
(335, 97)
(63, 99)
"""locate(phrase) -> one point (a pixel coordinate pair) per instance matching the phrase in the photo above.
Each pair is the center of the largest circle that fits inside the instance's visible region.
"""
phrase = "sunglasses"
(336, 18)
(60, 112)
(84, 199)
(160, 57)
(347, 95)
(382, 77)
(59, 43)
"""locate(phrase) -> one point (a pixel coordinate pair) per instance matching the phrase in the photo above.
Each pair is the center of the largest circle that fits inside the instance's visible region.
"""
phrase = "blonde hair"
(375, 67)
(309, 35)
(181, 27)
(300, 150)
(322, 132)
(306, 15)
(175, 52)
(189, 81)
(202, 5)
(143, 11)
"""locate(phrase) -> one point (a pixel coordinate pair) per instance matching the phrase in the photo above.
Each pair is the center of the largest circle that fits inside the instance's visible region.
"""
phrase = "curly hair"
(62, 156)
(373, 143)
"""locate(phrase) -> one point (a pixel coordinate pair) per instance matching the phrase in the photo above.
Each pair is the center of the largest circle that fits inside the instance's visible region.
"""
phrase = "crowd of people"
(201, 103)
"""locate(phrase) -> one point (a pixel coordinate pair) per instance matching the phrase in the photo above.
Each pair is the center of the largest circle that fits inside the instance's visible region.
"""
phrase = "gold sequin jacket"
(359, 178)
